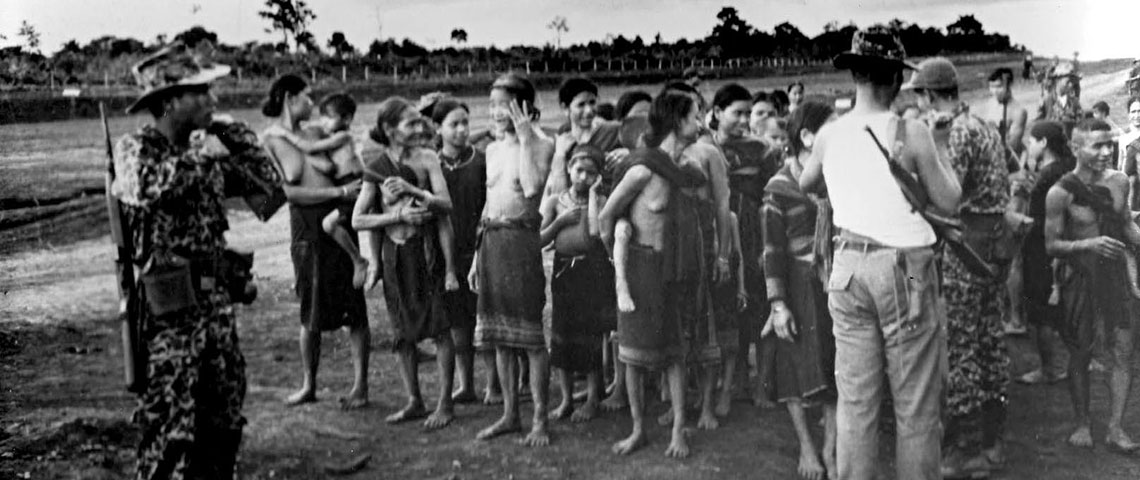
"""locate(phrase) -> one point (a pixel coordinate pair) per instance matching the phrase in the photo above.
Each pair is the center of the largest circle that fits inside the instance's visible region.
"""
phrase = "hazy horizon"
(1046, 27)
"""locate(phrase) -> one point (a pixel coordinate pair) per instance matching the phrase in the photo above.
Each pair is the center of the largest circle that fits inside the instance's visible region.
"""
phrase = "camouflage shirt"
(976, 154)
(1068, 114)
(173, 196)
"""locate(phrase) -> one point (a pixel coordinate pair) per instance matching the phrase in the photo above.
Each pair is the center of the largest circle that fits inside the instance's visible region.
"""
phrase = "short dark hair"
(809, 116)
(1003, 74)
(1087, 125)
(606, 111)
(729, 94)
(876, 73)
(573, 86)
(762, 96)
(1101, 106)
(682, 87)
(339, 103)
(666, 115)
(795, 84)
(628, 99)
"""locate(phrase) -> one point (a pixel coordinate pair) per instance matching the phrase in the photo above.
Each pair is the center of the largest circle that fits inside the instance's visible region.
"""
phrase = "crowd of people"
(759, 245)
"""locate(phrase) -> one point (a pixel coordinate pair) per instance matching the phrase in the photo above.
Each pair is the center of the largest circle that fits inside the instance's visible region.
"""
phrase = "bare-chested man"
(1089, 226)
(329, 300)
(507, 270)
(645, 195)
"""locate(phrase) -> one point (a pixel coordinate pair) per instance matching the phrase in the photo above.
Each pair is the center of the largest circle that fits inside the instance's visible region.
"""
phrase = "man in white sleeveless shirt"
(883, 291)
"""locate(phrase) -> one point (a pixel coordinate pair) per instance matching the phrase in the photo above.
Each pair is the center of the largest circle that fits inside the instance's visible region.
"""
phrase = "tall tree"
(558, 24)
(31, 36)
(966, 25)
(732, 34)
(291, 18)
(458, 35)
(340, 46)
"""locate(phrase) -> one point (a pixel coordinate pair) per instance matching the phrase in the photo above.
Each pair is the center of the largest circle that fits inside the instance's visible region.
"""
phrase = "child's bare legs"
(589, 409)
(623, 232)
(447, 244)
(331, 225)
(539, 435)
(724, 405)
(678, 445)
(566, 385)
(708, 421)
(445, 409)
(493, 394)
(464, 364)
(360, 338)
(617, 399)
(810, 467)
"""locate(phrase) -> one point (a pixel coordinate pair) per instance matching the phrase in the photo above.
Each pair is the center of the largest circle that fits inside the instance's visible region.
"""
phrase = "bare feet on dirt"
(707, 421)
(464, 396)
(504, 426)
(492, 398)
(810, 468)
(562, 411)
(302, 397)
(538, 436)
(635, 441)
(1118, 441)
(678, 447)
(413, 410)
(353, 401)
(1081, 437)
(588, 411)
(616, 401)
(724, 405)
(440, 418)
(666, 419)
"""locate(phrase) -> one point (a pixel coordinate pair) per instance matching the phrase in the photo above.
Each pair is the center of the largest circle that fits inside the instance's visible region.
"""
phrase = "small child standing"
(584, 305)
(334, 155)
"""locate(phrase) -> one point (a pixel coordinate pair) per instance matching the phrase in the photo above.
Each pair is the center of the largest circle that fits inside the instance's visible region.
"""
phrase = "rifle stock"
(134, 365)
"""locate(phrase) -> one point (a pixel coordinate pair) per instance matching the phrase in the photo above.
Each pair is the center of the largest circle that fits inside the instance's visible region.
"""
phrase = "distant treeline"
(106, 61)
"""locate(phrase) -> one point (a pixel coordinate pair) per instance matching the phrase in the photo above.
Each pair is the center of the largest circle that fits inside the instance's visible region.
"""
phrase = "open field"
(64, 413)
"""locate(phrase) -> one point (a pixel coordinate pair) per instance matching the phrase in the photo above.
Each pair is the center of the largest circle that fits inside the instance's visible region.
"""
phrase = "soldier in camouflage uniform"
(1063, 101)
(979, 365)
(172, 186)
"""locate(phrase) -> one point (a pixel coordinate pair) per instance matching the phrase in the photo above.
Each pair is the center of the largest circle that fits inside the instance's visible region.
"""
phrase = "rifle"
(134, 369)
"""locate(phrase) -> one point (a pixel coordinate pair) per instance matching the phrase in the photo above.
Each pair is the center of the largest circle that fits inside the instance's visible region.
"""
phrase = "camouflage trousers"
(978, 374)
(190, 413)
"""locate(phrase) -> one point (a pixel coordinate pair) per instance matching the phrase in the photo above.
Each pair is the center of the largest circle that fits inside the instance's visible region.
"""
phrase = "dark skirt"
(323, 273)
(512, 289)
(460, 305)
(585, 309)
(649, 336)
(1092, 290)
(413, 291)
(1037, 283)
(805, 368)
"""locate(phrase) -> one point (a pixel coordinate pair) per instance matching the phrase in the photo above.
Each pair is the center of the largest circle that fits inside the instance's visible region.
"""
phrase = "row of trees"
(107, 59)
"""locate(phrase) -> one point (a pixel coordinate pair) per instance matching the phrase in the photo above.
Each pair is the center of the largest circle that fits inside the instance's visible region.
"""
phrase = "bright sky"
(1096, 28)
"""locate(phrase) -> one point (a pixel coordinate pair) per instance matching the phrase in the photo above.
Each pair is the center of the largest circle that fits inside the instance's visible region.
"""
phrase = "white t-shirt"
(864, 196)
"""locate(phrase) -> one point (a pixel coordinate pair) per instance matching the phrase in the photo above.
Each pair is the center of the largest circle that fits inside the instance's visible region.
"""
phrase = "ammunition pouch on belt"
(990, 236)
(173, 283)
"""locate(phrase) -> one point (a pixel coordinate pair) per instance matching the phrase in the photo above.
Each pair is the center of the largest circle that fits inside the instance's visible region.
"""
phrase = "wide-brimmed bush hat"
(172, 67)
(876, 46)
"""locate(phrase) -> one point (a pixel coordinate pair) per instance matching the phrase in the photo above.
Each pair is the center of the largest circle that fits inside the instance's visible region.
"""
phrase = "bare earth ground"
(64, 413)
